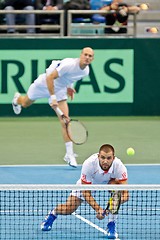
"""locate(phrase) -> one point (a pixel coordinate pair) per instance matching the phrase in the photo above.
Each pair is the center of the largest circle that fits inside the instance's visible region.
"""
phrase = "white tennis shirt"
(92, 173)
(68, 70)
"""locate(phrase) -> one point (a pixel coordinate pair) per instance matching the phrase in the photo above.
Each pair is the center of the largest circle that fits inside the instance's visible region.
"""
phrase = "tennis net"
(23, 207)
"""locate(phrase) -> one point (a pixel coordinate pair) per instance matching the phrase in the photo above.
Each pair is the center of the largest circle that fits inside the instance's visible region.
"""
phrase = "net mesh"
(22, 209)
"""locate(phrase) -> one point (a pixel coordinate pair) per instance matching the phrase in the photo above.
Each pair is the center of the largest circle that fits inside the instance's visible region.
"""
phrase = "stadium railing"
(58, 27)
(147, 19)
(96, 29)
(136, 24)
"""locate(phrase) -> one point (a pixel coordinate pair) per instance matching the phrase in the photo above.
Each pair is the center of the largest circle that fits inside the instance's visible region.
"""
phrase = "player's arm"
(92, 202)
(50, 84)
(125, 194)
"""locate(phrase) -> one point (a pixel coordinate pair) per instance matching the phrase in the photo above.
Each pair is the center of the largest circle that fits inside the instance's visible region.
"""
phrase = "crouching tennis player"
(99, 168)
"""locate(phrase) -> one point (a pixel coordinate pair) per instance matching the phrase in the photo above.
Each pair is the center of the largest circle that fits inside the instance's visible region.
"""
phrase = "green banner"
(110, 80)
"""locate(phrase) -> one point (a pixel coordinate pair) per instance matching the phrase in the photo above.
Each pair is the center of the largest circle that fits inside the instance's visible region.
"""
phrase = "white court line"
(90, 223)
(37, 165)
(65, 165)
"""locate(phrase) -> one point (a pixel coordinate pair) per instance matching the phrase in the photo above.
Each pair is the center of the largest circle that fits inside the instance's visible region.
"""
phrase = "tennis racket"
(113, 203)
(76, 130)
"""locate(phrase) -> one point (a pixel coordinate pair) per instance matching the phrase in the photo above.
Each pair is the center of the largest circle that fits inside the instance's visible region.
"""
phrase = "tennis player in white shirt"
(99, 168)
(56, 84)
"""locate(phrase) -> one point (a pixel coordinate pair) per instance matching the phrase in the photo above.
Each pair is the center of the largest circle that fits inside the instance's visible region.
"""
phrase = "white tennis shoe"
(71, 160)
(16, 107)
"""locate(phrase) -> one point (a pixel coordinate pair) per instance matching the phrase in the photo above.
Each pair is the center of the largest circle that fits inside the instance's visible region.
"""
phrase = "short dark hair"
(107, 148)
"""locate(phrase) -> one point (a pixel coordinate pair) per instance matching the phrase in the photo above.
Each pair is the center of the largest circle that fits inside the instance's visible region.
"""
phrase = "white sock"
(15, 102)
(69, 148)
(112, 217)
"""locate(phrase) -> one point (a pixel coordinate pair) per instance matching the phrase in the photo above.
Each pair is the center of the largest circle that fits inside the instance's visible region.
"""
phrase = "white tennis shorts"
(38, 90)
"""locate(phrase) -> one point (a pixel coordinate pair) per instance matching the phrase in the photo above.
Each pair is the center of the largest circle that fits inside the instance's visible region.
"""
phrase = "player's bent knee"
(68, 211)
(26, 102)
(72, 210)
(25, 105)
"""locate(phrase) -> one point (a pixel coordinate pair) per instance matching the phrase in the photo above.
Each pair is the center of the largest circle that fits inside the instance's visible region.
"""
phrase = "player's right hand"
(100, 215)
(67, 119)
(54, 104)
(53, 101)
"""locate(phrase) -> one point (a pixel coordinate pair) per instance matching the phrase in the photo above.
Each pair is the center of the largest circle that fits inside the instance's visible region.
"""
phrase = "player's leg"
(17, 108)
(67, 208)
(24, 101)
(35, 91)
(69, 157)
(20, 101)
(111, 226)
(112, 218)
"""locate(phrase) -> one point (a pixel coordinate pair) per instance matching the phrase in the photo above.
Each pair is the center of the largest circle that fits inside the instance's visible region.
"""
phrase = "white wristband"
(59, 112)
(52, 97)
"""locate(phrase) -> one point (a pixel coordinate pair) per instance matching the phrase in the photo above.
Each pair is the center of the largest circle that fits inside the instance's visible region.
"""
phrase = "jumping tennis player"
(99, 168)
(55, 85)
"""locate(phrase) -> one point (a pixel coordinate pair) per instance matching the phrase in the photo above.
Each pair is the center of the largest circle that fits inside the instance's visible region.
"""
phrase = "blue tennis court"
(63, 174)
(22, 211)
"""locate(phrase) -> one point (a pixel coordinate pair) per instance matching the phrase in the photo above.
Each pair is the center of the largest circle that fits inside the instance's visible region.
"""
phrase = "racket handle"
(104, 213)
(59, 112)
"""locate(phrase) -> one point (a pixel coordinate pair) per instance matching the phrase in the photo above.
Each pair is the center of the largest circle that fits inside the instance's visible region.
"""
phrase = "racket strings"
(77, 132)
(114, 202)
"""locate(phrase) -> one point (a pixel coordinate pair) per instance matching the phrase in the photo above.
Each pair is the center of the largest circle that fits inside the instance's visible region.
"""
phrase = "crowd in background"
(118, 16)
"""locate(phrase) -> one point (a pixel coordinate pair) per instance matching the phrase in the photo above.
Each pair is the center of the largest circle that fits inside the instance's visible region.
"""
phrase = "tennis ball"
(130, 151)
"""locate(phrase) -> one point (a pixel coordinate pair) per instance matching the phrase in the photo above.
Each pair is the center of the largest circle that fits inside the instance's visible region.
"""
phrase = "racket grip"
(59, 112)
(104, 213)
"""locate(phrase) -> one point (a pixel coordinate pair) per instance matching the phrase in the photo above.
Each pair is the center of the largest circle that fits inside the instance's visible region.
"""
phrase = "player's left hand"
(71, 92)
